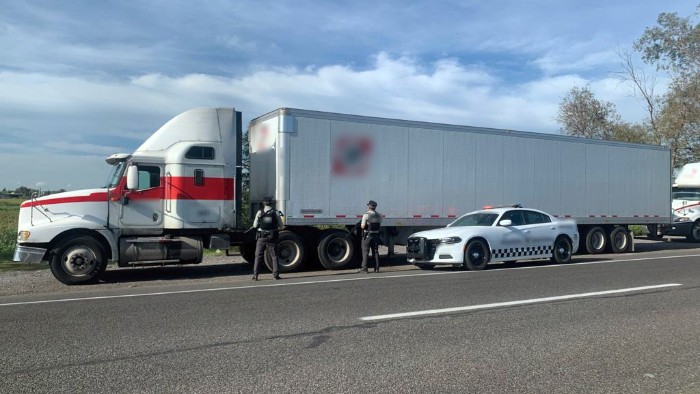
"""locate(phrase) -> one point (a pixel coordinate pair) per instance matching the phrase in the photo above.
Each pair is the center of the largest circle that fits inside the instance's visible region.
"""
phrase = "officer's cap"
(372, 204)
(267, 200)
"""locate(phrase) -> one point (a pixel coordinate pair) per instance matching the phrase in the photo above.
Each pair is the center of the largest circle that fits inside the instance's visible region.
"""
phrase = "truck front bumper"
(679, 228)
(27, 254)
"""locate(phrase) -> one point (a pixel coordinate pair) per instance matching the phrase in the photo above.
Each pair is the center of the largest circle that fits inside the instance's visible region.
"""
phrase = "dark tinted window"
(200, 153)
(536, 217)
(514, 216)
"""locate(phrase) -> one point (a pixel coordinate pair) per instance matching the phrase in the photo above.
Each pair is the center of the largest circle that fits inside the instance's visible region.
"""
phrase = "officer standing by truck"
(370, 224)
(268, 223)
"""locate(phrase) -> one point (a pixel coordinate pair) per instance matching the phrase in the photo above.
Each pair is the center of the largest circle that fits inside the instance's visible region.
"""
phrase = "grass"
(9, 213)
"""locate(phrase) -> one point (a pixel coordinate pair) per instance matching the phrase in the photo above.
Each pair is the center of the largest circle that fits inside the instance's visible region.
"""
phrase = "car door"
(510, 241)
(540, 232)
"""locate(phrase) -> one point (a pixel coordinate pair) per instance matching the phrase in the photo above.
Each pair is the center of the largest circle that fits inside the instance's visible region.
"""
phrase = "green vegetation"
(9, 213)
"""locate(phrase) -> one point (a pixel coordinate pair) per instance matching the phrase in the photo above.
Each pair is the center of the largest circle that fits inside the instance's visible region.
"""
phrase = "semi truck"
(685, 205)
(180, 192)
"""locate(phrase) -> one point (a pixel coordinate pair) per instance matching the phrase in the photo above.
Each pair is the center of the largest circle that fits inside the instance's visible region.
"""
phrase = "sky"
(82, 79)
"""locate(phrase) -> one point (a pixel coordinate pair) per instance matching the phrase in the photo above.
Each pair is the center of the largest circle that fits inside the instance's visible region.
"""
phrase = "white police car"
(495, 234)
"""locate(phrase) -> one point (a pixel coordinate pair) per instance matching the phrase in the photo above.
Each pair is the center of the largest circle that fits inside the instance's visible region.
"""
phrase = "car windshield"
(475, 219)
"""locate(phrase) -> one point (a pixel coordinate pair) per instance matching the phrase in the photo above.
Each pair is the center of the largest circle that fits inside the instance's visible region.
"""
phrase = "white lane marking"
(407, 275)
(512, 303)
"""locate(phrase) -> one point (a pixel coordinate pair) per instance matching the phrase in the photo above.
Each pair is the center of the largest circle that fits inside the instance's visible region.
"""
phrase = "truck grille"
(420, 248)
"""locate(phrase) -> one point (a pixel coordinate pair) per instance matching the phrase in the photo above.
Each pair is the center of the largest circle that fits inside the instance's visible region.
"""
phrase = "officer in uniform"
(370, 224)
(268, 222)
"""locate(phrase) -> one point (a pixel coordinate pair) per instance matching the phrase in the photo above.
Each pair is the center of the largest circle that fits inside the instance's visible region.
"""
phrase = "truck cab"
(685, 204)
(174, 195)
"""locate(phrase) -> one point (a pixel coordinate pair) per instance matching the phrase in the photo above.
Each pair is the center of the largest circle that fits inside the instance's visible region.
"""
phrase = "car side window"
(516, 217)
(532, 217)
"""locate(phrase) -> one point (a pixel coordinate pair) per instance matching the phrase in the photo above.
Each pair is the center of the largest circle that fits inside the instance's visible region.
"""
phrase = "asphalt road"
(604, 324)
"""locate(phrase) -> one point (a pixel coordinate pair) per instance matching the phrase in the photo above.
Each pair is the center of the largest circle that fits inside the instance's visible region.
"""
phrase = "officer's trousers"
(267, 241)
(371, 242)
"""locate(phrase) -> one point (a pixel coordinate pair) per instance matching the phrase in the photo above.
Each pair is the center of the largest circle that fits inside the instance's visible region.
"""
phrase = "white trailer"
(323, 167)
(181, 190)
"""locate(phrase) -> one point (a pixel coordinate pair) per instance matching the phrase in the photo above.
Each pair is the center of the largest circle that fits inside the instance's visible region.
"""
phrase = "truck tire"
(336, 249)
(620, 240)
(694, 235)
(476, 255)
(562, 250)
(248, 252)
(78, 261)
(290, 252)
(596, 240)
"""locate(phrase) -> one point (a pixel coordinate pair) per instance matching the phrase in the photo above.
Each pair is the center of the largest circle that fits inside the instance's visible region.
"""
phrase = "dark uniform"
(370, 224)
(268, 223)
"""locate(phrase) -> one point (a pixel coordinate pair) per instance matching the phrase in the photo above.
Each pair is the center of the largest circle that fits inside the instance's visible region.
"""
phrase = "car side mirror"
(505, 223)
(132, 178)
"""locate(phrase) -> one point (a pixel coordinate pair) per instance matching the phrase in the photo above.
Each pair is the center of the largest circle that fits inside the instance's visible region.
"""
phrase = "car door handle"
(526, 231)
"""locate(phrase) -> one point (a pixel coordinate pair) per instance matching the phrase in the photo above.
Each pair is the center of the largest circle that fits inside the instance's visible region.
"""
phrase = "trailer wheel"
(248, 252)
(596, 240)
(78, 261)
(476, 255)
(290, 252)
(694, 234)
(336, 249)
(562, 250)
(620, 240)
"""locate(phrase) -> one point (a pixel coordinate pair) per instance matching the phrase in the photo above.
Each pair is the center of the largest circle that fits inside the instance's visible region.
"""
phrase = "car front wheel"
(476, 255)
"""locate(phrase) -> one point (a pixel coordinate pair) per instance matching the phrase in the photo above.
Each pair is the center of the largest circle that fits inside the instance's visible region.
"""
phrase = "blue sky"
(81, 79)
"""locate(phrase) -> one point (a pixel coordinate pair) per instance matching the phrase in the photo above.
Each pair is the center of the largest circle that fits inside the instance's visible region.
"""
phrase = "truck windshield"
(475, 219)
(686, 193)
(115, 175)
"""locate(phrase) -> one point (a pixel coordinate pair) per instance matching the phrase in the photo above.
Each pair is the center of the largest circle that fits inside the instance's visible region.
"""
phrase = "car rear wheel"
(562, 250)
(476, 255)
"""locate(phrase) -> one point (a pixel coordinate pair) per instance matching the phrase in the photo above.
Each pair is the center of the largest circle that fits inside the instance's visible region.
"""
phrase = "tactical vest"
(268, 221)
(374, 220)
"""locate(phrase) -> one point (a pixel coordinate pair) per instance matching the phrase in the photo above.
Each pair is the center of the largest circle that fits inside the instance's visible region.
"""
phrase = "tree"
(673, 45)
(582, 115)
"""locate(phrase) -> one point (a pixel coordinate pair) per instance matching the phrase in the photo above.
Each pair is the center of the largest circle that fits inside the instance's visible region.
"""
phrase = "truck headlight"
(450, 240)
(682, 219)
(22, 236)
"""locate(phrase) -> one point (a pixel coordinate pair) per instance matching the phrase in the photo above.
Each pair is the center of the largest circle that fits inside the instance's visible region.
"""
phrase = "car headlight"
(450, 240)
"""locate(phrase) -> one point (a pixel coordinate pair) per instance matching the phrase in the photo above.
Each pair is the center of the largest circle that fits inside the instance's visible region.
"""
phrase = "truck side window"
(200, 153)
(149, 177)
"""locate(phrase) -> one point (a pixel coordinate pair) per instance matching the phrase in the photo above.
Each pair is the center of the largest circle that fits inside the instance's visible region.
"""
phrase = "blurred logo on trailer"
(351, 155)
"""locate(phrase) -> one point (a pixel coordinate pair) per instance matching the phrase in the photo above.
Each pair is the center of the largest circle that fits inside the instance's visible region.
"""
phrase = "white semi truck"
(685, 204)
(180, 191)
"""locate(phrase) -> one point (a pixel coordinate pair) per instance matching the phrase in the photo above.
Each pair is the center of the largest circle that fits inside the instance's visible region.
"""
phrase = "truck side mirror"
(132, 178)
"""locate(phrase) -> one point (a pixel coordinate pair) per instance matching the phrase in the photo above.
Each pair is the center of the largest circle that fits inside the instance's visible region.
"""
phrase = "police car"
(507, 233)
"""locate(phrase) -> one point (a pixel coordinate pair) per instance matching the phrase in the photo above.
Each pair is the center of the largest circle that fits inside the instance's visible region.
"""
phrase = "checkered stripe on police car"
(521, 252)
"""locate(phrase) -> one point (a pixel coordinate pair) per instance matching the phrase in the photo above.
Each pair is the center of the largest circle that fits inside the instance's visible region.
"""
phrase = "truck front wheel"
(694, 234)
(290, 252)
(78, 261)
